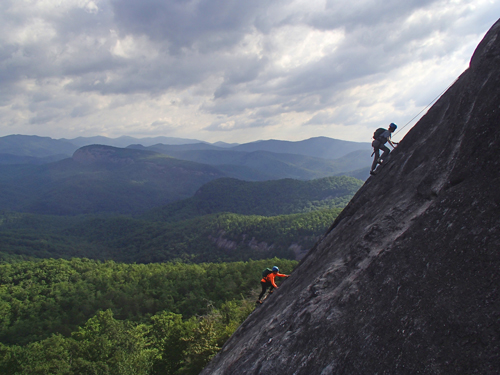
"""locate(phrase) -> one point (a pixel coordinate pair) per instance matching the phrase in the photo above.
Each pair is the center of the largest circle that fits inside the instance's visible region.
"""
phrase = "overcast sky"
(229, 70)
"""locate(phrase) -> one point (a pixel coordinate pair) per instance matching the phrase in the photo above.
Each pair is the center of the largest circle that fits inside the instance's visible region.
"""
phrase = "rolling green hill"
(267, 198)
(226, 220)
(210, 238)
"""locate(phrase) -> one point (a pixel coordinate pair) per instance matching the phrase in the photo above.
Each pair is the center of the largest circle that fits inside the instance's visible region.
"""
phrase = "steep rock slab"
(407, 278)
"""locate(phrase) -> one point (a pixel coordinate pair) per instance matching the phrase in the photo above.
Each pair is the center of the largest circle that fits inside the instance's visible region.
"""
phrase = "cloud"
(229, 70)
(203, 25)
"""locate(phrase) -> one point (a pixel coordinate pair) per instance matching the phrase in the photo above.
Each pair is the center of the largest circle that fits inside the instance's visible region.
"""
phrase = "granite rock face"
(407, 279)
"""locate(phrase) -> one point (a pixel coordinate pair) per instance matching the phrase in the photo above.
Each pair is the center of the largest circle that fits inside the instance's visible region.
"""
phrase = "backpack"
(378, 133)
(266, 272)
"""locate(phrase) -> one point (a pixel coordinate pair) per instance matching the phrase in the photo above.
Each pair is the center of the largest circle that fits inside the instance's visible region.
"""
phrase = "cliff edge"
(406, 281)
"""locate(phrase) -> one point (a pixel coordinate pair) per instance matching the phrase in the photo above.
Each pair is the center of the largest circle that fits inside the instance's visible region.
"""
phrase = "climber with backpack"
(380, 138)
(268, 276)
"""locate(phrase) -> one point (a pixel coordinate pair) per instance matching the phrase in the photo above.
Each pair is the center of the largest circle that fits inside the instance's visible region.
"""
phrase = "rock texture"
(407, 279)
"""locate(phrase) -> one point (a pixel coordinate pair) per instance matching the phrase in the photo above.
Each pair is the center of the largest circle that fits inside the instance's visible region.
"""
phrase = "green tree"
(109, 346)
(168, 333)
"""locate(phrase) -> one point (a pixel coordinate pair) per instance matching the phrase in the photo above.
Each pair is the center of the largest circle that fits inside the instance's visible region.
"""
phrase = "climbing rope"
(427, 106)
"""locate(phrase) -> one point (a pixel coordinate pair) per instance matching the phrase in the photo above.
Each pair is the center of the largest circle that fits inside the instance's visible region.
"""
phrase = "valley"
(155, 251)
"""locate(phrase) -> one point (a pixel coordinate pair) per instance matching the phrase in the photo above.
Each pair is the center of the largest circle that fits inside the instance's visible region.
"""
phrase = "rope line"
(427, 106)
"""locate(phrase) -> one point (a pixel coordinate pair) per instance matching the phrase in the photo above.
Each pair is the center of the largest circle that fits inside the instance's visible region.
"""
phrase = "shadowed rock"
(407, 279)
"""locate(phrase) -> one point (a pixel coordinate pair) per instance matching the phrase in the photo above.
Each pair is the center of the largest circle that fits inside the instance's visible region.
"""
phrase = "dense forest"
(156, 292)
(265, 198)
(81, 316)
(211, 238)
(227, 220)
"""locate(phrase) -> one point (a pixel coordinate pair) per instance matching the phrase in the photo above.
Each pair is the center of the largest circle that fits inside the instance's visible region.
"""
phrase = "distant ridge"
(35, 146)
(225, 145)
(101, 179)
(270, 165)
(263, 160)
(125, 141)
(319, 147)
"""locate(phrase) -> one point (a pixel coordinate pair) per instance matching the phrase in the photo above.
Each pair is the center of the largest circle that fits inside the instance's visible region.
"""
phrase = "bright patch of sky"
(230, 70)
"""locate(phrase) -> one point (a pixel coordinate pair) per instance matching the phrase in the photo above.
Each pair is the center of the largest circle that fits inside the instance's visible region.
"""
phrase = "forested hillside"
(227, 220)
(211, 238)
(267, 198)
(86, 317)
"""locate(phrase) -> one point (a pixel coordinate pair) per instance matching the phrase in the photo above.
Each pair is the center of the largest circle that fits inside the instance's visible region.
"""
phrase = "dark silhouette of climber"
(381, 137)
(268, 281)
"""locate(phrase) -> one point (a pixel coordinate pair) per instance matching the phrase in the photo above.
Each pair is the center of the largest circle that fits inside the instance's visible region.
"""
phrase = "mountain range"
(259, 165)
(36, 146)
(108, 179)
(257, 161)
(101, 179)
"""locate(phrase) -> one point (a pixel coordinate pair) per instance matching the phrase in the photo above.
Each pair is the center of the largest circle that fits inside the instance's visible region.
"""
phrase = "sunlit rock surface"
(407, 279)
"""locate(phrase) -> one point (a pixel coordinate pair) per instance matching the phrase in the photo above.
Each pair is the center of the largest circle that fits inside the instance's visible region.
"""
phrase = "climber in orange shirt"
(268, 281)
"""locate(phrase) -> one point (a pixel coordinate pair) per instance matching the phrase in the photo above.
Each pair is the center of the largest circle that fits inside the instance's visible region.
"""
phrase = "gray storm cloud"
(224, 68)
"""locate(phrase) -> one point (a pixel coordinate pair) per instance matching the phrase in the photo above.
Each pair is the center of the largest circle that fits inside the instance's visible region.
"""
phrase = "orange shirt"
(270, 278)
